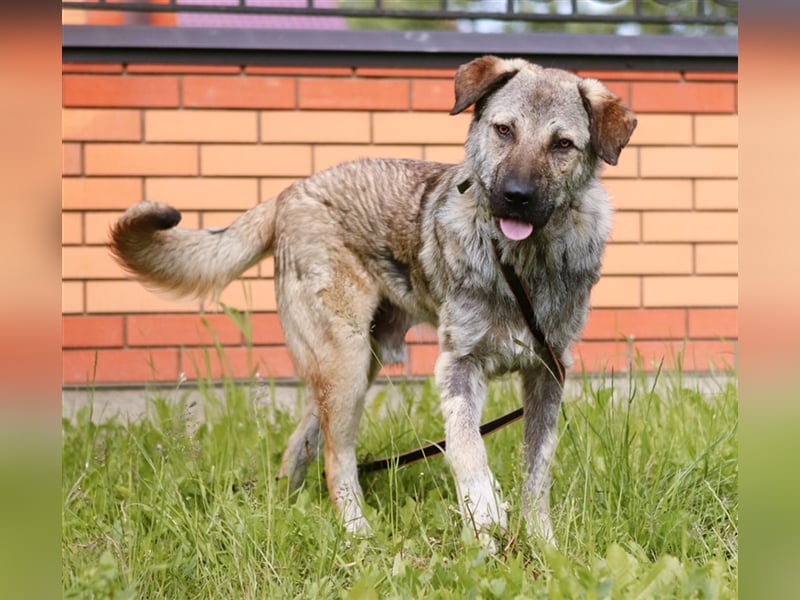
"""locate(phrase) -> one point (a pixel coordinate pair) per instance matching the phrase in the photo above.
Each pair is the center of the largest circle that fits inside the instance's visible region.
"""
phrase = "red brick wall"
(215, 140)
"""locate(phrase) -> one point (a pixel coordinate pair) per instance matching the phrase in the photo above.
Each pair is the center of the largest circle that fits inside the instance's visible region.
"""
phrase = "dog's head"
(537, 136)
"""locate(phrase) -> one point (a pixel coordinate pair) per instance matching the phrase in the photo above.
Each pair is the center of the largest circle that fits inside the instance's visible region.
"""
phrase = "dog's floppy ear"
(479, 77)
(611, 123)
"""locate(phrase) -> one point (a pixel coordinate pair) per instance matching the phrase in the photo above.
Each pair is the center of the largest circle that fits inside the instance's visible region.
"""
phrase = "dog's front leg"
(541, 400)
(462, 383)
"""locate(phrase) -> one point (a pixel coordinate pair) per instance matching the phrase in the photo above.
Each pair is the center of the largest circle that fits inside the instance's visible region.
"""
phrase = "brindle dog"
(366, 249)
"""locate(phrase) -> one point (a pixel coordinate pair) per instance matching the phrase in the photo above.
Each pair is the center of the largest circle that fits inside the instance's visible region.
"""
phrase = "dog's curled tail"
(190, 262)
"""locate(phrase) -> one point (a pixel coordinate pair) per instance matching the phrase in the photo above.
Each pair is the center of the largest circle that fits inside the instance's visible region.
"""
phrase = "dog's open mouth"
(514, 229)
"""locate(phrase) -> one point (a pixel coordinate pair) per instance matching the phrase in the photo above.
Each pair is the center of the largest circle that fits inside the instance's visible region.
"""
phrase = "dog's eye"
(502, 130)
(564, 144)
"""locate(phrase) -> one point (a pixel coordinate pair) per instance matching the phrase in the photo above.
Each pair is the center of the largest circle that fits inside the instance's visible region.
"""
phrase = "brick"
(689, 162)
(141, 159)
(98, 224)
(600, 357)
(208, 363)
(628, 165)
(266, 362)
(393, 370)
(181, 330)
(638, 323)
(654, 355)
(206, 193)
(424, 333)
(710, 355)
(273, 186)
(650, 194)
(255, 295)
(617, 291)
(266, 329)
(266, 267)
(444, 154)
(694, 291)
(71, 228)
(432, 94)
(71, 161)
(218, 219)
(353, 94)
(716, 130)
(419, 128)
(711, 76)
(123, 91)
(119, 366)
(711, 194)
(89, 262)
(403, 72)
(317, 127)
(91, 331)
(293, 70)
(699, 97)
(72, 297)
(238, 92)
(327, 156)
(91, 68)
(621, 89)
(422, 359)
(626, 227)
(631, 75)
(273, 362)
(688, 355)
(100, 193)
(690, 226)
(652, 259)
(130, 297)
(182, 69)
(200, 126)
(87, 124)
(717, 259)
(224, 159)
(714, 323)
(658, 129)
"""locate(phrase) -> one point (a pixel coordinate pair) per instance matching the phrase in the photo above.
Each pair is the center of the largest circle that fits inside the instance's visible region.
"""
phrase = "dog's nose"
(519, 194)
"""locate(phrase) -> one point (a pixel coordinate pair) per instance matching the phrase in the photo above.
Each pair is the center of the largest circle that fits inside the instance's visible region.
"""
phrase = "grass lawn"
(645, 503)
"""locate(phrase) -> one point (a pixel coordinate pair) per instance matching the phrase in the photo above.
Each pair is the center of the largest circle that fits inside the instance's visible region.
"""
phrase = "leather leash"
(523, 297)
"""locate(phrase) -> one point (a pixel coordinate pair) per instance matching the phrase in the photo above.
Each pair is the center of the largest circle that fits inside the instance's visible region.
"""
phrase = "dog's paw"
(488, 542)
(484, 510)
(358, 527)
(539, 526)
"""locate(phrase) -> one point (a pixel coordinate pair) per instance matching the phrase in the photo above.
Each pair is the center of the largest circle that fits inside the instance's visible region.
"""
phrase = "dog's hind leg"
(340, 385)
(327, 328)
(305, 443)
(542, 401)
(303, 447)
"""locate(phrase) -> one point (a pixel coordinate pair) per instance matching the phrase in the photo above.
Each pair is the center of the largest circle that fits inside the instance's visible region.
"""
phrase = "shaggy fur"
(366, 249)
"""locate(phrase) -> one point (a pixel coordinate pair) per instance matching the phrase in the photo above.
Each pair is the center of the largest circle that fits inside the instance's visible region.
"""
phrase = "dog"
(366, 249)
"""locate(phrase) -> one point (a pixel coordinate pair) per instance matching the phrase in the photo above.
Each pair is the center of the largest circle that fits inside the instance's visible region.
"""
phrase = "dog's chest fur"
(455, 281)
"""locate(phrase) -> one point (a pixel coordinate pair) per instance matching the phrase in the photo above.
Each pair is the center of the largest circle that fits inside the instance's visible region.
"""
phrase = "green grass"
(645, 503)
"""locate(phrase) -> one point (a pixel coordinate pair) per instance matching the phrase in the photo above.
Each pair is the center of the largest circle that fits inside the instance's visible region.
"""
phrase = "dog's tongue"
(515, 230)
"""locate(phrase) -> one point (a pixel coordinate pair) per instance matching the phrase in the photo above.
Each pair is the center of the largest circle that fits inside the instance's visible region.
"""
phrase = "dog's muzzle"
(520, 208)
